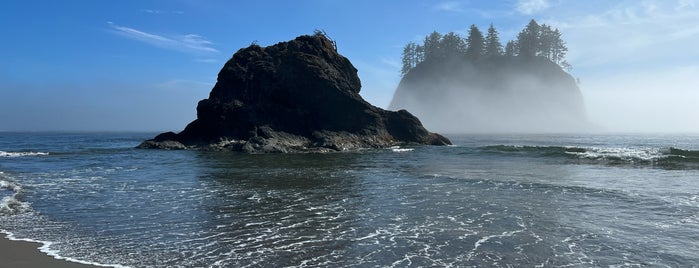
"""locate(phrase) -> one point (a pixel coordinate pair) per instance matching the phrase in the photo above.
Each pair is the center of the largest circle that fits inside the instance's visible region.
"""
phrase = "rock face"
(294, 96)
(498, 94)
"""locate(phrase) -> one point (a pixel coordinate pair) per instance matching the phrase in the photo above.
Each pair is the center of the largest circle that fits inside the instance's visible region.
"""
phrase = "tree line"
(533, 41)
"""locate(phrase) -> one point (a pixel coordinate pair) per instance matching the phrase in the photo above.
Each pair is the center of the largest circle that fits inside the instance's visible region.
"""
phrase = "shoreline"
(24, 253)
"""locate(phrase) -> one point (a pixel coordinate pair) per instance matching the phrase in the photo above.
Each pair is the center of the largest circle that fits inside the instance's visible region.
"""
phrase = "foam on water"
(625, 154)
(608, 155)
(397, 149)
(20, 154)
(9, 204)
(46, 249)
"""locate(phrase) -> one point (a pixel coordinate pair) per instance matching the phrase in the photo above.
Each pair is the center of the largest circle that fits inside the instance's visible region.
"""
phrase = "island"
(475, 85)
(294, 96)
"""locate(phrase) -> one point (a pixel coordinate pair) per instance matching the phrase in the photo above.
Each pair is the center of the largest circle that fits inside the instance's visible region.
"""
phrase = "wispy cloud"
(451, 6)
(391, 62)
(158, 11)
(631, 33)
(192, 43)
(207, 60)
(529, 7)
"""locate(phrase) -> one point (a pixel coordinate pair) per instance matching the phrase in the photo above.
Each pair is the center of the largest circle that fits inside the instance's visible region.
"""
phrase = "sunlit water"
(523, 200)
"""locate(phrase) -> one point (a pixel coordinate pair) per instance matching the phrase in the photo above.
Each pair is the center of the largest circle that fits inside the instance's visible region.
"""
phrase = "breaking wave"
(670, 157)
(19, 154)
(9, 204)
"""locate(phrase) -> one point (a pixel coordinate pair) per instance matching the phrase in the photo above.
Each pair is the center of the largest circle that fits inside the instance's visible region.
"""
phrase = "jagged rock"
(295, 96)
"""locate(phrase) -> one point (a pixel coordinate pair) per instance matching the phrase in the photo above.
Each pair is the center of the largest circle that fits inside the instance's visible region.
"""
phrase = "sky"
(101, 65)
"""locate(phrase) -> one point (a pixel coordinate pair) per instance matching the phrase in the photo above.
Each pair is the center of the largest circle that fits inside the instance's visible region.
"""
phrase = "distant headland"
(294, 96)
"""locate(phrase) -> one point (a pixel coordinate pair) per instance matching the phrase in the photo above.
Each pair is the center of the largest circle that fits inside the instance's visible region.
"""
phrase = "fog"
(637, 61)
(658, 101)
(98, 106)
(510, 95)
(642, 102)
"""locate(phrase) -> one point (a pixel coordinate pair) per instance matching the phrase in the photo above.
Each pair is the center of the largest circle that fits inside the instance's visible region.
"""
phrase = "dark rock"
(295, 96)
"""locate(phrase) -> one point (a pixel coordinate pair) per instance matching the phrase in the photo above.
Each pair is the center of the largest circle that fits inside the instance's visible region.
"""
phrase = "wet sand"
(27, 254)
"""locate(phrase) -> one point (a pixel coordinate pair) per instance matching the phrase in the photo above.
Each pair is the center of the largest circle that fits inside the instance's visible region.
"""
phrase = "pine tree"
(409, 58)
(510, 48)
(452, 45)
(493, 47)
(419, 54)
(528, 40)
(546, 40)
(475, 42)
(559, 50)
(432, 45)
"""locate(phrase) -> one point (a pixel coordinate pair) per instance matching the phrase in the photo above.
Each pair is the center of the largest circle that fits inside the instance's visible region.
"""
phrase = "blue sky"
(143, 65)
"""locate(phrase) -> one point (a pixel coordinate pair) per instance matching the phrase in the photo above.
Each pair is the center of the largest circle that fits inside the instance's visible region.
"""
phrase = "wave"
(19, 154)
(397, 149)
(609, 155)
(10, 204)
(46, 249)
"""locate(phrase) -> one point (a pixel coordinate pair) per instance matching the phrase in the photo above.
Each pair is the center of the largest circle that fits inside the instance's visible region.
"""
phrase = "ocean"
(489, 200)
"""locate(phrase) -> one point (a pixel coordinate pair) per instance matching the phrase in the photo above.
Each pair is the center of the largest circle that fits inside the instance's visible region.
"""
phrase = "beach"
(27, 254)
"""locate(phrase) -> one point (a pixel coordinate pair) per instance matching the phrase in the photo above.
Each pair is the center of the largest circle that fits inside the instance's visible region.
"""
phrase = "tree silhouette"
(510, 48)
(432, 45)
(533, 41)
(475, 42)
(493, 47)
(528, 40)
(452, 45)
(558, 50)
(410, 57)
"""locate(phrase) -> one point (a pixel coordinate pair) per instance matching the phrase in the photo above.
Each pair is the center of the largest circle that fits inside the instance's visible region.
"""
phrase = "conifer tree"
(409, 58)
(452, 45)
(528, 40)
(432, 45)
(493, 47)
(510, 48)
(559, 50)
(475, 42)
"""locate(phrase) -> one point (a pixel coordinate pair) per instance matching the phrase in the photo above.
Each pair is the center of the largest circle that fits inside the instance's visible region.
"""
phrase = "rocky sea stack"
(295, 96)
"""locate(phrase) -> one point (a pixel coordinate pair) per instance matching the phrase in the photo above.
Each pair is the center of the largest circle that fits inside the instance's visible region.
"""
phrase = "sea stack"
(512, 94)
(294, 96)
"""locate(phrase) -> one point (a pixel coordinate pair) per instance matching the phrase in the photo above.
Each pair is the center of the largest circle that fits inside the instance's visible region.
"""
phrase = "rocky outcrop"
(295, 96)
(497, 94)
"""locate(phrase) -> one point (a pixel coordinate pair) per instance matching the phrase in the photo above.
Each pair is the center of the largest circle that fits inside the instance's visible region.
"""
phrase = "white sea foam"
(397, 149)
(19, 154)
(46, 249)
(627, 154)
(10, 204)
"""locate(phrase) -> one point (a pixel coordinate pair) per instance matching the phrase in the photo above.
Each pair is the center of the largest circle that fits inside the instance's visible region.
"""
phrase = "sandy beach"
(27, 254)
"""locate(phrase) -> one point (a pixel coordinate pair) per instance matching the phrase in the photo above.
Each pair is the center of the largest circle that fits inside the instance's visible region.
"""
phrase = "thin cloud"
(451, 6)
(529, 7)
(158, 11)
(186, 43)
(633, 33)
(391, 62)
(207, 60)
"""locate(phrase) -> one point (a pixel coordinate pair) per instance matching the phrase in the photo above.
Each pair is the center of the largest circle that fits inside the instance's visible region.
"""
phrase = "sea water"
(489, 200)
